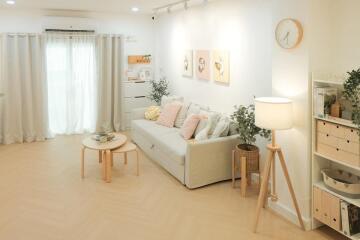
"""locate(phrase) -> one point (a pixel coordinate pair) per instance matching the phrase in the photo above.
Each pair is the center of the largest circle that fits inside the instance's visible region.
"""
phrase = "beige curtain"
(23, 116)
(109, 56)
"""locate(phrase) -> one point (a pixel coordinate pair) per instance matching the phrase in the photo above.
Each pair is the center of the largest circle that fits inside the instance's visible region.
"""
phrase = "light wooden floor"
(43, 197)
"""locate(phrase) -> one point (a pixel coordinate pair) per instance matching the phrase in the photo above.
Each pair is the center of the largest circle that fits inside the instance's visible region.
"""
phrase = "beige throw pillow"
(180, 118)
(152, 113)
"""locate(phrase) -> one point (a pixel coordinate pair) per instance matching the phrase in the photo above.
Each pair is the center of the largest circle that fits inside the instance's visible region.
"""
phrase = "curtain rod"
(57, 34)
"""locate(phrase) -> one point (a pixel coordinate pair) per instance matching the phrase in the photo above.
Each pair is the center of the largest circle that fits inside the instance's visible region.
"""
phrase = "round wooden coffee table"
(104, 150)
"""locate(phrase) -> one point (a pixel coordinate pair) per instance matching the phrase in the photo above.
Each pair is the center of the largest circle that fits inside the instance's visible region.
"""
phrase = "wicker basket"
(251, 153)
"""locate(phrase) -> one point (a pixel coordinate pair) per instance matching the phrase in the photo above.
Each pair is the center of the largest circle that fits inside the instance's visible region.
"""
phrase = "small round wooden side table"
(125, 149)
(104, 153)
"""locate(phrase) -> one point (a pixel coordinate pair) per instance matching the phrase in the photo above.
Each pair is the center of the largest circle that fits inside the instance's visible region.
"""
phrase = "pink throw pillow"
(168, 114)
(189, 126)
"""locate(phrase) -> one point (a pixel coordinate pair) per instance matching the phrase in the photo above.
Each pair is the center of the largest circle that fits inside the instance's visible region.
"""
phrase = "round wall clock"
(289, 33)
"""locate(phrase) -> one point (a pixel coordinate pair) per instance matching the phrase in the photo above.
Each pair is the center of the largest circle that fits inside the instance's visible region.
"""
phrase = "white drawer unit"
(136, 88)
(136, 102)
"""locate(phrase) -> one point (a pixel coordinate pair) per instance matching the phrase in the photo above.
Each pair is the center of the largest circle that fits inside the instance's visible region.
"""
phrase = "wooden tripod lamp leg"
(291, 189)
(263, 190)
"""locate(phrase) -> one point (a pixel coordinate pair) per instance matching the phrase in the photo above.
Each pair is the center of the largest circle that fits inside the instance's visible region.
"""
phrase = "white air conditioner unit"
(69, 24)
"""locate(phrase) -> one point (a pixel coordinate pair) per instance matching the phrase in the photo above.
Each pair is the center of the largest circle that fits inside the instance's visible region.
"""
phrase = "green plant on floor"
(158, 90)
(244, 117)
(352, 94)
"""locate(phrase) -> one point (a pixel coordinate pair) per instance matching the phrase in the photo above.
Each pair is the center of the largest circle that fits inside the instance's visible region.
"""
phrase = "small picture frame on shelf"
(145, 74)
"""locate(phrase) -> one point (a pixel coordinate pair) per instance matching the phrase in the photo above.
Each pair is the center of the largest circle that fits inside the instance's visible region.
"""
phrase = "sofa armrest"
(209, 161)
(138, 113)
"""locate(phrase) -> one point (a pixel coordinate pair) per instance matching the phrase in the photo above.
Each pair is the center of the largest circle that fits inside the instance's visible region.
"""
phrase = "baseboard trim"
(288, 214)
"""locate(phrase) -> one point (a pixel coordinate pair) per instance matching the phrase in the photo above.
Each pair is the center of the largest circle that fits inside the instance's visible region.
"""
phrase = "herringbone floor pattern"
(43, 198)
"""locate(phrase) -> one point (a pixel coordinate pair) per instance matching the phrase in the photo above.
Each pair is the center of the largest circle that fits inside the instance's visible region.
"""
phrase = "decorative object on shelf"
(289, 33)
(324, 97)
(342, 182)
(244, 118)
(139, 59)
(103, 137)
(335, 109)
(188, 63)
(145, 74)
(158, 90)
(221, 66)
(202, 63)
(274, 114)
(352, 94)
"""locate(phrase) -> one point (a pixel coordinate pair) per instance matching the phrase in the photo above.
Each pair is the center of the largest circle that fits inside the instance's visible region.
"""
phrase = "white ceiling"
(122, 6)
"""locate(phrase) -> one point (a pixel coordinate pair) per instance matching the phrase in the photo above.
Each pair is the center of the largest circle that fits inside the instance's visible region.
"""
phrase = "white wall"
(290, 78)
(139, 26)
(241, 26)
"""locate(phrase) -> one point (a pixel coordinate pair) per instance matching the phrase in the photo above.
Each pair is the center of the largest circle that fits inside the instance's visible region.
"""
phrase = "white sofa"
(194, 164)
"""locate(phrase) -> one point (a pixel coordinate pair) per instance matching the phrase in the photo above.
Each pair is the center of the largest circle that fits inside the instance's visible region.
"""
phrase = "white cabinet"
(134, 96)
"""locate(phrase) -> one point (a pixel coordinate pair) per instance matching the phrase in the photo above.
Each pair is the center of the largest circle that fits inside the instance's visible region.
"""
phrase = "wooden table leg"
(137, 163)
(243, 176)
(126, 159)
(233, 168)
(108, 166)
(100, 156)
(82, 161)
(103, 164)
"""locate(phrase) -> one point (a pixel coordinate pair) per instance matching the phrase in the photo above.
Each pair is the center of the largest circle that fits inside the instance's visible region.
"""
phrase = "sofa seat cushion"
(167, 140)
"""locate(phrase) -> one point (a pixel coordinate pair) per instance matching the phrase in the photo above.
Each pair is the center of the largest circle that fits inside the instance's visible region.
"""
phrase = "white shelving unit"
(135, 91)
(321, 161)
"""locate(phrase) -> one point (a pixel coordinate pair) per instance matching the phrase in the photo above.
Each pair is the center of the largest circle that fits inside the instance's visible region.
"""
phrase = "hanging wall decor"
(221, 66)
(202, 63)
(188, 63)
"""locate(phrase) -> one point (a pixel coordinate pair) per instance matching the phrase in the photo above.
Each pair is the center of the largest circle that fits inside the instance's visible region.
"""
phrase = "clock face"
(289, 33)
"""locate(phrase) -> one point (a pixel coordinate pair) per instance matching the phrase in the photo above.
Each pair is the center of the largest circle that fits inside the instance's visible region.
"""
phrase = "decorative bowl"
(342, 182)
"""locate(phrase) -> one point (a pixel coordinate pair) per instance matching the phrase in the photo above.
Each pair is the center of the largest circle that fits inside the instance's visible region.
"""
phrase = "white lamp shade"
(273, 113)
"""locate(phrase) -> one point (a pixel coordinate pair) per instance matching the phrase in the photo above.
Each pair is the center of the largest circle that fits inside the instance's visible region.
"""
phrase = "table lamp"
(274, 114)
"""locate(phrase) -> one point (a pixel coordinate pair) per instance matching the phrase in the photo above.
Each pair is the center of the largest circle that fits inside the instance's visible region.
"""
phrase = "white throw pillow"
(204, 133)
(203, 122)
(195, 109)
(180, 118)
(214, 121)
(222, 128)
(169, 99)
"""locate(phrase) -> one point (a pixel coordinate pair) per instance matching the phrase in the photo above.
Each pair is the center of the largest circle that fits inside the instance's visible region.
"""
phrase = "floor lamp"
(274, 114)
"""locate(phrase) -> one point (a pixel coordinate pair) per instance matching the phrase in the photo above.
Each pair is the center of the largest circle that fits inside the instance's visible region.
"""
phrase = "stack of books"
(350, 219)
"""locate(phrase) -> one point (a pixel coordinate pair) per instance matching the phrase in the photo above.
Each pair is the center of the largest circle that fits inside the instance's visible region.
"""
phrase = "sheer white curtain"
(23, 113)
(72, 83)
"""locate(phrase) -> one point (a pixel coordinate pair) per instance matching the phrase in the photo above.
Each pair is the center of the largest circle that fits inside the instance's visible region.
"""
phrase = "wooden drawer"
(346, 157)
(325, 207)
(136, 102)
(326, 150)
(335, 217)
(317, 204)
(349, 146)
(133, 89)
(326, 138)
(337, 130)
(351, 134)
(323, 127)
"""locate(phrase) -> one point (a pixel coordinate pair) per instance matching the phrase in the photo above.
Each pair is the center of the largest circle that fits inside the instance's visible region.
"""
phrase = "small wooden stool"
(244, 173)
(126, 148)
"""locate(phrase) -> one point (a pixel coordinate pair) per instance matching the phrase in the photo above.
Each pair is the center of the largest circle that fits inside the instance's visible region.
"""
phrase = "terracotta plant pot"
(252, 154)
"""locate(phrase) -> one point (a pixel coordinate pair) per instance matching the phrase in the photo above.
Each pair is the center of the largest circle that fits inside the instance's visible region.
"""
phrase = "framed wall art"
(202, 64)
(187, 63)
(221, 66)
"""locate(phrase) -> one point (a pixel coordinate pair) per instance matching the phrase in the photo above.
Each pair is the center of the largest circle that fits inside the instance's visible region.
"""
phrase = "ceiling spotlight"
(10, 2)
(186, 5)
(135, 9)
(169, 10)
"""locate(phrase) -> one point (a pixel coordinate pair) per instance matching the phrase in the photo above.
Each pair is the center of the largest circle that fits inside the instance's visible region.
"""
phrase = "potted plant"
(352, 94)
(244, 117)
(158, 90)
